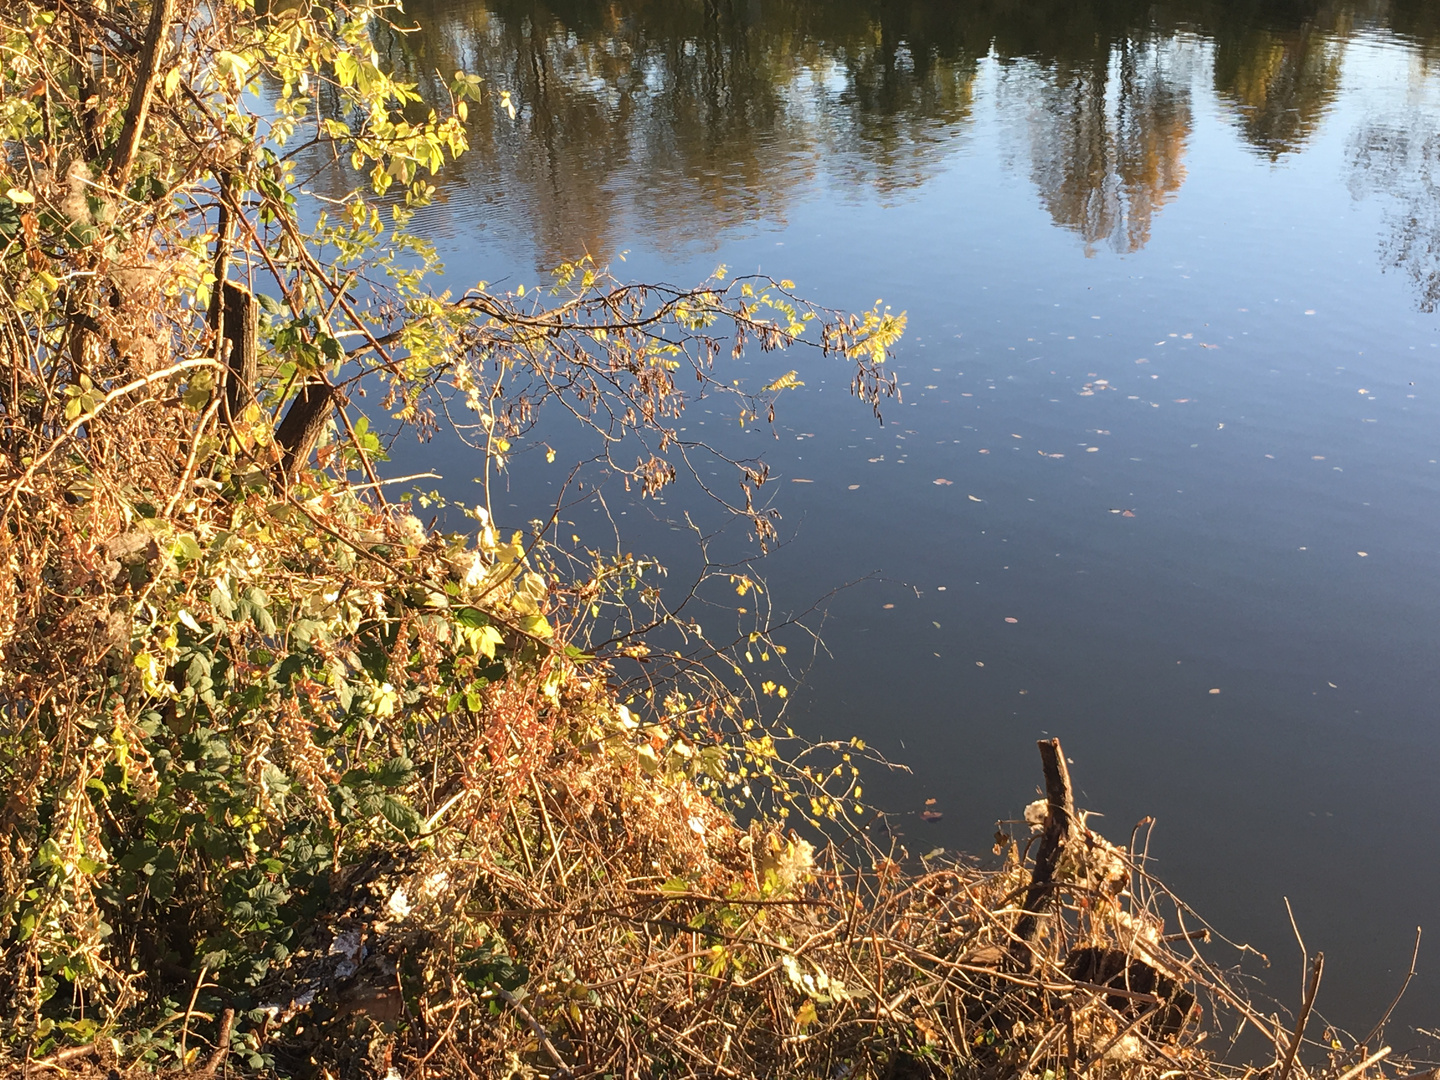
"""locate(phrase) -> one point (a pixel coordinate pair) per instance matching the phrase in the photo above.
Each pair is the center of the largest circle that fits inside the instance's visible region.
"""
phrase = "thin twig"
(1380, 1025)
(1350, 1074)
(535, 1026)
(190, 1009)
(1312, 987)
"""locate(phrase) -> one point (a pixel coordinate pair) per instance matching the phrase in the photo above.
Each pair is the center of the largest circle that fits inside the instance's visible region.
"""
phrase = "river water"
(1171, 273)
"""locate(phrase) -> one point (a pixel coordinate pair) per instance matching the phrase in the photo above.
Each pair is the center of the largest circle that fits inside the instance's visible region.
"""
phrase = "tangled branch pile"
(294, 785)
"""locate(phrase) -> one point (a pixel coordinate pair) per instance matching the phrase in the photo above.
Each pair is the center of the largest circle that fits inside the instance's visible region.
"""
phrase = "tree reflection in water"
(689, 120)
(1399, 157)
(1108, 137)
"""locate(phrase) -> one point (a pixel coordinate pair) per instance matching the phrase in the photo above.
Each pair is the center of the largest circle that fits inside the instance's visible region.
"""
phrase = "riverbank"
(297, 785)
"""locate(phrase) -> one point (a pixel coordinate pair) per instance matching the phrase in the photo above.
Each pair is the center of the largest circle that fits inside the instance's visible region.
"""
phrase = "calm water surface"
(1172, 274)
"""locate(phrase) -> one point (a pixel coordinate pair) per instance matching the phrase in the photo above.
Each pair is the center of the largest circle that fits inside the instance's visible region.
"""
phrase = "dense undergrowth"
(295, 785)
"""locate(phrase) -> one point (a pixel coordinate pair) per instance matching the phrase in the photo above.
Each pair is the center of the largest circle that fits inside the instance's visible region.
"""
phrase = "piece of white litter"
(399, 904)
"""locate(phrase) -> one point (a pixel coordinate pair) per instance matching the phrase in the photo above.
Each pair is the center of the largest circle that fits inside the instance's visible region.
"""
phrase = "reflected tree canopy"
(1280, 76)
(1107, 138)
(691, 117)
(1399, 158)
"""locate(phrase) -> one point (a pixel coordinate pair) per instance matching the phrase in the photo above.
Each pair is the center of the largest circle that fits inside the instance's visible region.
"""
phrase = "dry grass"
(611, 923)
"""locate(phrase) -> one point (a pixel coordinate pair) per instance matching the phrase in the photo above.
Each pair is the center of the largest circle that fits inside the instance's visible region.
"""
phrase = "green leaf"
(472, 617)
(401, 815)
(394, 772)
(197, 393)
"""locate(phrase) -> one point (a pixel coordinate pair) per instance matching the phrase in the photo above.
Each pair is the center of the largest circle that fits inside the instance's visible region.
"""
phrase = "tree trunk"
(238, 317)
(302, 425)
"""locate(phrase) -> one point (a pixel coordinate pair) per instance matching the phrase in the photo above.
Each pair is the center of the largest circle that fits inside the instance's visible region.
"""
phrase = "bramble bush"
(234, 678)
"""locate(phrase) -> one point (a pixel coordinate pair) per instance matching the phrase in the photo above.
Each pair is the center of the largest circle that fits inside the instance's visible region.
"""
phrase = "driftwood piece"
(222, 1045)
(302, 425)
(1059, 827)
(64, 1056)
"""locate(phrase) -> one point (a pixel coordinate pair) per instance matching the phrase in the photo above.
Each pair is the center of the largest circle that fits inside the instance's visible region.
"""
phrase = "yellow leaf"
(537, 626)
(15, 195)
(805, 1015)
(233, 65)
(787, 381)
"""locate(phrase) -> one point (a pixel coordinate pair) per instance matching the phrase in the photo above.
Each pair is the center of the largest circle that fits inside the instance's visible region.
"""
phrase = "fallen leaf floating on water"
(887, 607)
(942, 482)
(1363, 554)
(797, 480)
(853, 487)
(984, 451)
(1128, 513)
(929, 802)
(1011, 619)
(1214, 690)
(931, 816)
(974, 498)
